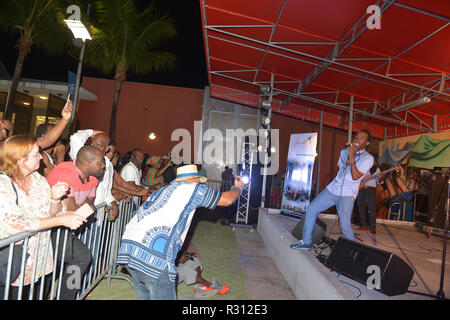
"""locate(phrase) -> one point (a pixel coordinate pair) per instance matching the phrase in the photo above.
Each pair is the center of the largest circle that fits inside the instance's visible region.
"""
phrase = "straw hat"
(188, 172)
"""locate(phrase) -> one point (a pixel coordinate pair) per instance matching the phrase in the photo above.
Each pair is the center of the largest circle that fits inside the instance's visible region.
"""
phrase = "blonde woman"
(27, 204)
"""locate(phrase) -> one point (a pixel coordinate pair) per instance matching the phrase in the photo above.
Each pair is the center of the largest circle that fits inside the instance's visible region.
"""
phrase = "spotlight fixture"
(412, 104)
(43, 97)
(265, 89)
(273, 149)
(264, 112)
(266, 121)
(266, 104)
(260, 148)
(152, 136)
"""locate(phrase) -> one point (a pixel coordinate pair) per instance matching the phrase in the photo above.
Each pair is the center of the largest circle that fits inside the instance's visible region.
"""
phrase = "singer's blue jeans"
(322, 202)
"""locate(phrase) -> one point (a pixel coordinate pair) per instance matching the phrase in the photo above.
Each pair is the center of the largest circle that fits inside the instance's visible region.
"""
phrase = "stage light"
(43, 97)
(412, 104)
(266, 121)
(266, 133)
(273, 150)
(152, 136)
(266, 104)
(245, 179)
(260, 148)
(265, 89)
(264, 112)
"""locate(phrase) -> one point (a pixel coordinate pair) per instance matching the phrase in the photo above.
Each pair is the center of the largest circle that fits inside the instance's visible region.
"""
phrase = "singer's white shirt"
(343, 184)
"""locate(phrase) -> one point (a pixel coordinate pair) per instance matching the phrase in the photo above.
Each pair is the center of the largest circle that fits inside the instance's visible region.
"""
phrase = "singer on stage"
(354, 163)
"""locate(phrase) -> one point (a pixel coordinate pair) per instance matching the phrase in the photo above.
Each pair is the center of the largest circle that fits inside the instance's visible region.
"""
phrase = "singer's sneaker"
(301, 245)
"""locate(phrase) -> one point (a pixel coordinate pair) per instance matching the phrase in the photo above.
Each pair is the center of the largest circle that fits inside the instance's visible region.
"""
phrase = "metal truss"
(334, 105)
(368, 108)
(248, 150)
(338, 49)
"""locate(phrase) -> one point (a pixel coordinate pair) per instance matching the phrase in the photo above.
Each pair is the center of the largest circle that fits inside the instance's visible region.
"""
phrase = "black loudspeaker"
(353, 259)
(436, 200)
(318, 231)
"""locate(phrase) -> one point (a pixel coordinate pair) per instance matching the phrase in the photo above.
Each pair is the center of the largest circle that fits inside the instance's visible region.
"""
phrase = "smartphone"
(85, 211)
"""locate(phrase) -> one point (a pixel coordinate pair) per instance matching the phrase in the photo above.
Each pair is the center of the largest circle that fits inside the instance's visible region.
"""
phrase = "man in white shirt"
(132, 170)
(354, 163)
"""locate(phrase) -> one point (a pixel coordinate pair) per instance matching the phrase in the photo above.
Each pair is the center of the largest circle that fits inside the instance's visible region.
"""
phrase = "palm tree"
(127, 39)
(37, 22)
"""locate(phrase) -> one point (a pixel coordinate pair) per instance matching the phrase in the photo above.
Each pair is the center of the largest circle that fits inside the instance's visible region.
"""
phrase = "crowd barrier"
(19, 257)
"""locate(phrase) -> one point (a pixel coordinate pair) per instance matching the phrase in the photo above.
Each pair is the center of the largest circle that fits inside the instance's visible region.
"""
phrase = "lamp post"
(79, 32)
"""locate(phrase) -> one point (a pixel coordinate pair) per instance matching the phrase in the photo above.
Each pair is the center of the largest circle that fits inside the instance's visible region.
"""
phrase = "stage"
(308, 278)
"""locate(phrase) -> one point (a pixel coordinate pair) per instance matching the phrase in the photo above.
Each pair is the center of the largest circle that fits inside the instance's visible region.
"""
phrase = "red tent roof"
(321, 52)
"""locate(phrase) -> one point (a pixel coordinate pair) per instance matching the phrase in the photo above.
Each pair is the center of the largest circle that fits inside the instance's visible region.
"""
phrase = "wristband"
(55, 201)
(239, 187)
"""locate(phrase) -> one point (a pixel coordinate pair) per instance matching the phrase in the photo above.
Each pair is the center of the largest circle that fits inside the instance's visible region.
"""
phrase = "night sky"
(188, 46)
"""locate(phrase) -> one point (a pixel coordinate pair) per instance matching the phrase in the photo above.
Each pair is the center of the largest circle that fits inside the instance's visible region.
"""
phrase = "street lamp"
(79, 32)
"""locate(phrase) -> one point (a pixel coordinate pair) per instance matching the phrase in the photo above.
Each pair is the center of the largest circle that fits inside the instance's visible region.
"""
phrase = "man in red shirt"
(82, 177)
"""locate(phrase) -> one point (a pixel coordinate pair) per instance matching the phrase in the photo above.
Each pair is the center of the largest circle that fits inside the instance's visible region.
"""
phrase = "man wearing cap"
(156, 233)
(155, 172)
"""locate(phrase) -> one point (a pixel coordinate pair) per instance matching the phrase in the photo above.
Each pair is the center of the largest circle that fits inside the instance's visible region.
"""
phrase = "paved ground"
(235, 256)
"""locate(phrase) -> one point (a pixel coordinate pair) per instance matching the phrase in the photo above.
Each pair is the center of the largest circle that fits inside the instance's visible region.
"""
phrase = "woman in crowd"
(27, 204)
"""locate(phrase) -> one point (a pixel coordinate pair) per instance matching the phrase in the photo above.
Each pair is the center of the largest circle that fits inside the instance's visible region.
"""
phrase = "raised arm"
(54, 133)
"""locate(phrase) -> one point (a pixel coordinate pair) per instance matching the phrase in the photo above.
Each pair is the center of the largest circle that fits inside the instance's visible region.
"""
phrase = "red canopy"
(322, 52)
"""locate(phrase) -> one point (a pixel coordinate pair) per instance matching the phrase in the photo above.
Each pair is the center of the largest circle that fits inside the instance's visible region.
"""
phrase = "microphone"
(348, 145)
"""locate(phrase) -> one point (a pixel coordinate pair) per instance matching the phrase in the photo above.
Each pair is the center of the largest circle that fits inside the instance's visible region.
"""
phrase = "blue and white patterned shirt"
(343, 184)
(156, 233)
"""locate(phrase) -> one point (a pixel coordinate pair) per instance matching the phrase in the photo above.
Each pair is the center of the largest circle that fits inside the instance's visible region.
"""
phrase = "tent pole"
(320, 152)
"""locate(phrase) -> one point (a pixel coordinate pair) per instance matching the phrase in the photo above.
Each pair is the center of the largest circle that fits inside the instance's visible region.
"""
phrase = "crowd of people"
(45, 180)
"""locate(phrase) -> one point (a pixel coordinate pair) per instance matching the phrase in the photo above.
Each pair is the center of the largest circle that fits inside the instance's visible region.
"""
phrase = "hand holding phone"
(85, 211)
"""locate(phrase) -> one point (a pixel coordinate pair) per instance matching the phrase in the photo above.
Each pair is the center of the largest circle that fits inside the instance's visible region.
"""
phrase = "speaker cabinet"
(318, 231)
(353, 260)
(437, 200)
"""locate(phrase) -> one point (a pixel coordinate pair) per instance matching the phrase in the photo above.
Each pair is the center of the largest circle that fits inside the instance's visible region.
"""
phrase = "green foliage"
(39, 20)
(124, 38)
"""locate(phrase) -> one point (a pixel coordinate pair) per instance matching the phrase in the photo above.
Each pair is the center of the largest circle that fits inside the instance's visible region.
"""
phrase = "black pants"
(367, 196)
(77, 259)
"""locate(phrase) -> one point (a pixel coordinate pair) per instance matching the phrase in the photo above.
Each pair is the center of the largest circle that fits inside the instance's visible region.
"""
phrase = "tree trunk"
(120, 78)
(24, 47)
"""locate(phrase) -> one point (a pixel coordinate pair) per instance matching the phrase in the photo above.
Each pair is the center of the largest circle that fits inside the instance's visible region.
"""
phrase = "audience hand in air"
(66, 112)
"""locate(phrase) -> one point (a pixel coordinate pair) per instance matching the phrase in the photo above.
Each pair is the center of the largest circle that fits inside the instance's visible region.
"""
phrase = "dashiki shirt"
(156, 233)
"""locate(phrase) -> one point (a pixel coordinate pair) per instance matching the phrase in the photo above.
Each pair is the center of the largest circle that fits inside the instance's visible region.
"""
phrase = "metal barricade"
(26, 256)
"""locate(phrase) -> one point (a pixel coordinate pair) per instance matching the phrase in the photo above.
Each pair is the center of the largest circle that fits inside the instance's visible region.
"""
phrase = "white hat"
(188, 172)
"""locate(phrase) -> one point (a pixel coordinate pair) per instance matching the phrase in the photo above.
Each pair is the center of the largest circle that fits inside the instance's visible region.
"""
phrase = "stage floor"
(405, 240)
